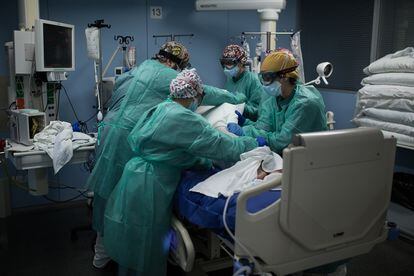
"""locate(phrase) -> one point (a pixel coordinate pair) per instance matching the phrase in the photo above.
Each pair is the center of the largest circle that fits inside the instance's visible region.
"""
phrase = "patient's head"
(261, 174)
(267, 166)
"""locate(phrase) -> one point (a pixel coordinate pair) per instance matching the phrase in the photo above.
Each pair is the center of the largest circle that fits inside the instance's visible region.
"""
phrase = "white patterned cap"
(186, 85)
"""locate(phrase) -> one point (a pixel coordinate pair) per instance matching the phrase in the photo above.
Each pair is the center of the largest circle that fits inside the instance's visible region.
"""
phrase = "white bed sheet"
(221, 115)
(241, 176)
(403, 79)
(386, 92)
(392, 116)
(403, 105)
(391, 127)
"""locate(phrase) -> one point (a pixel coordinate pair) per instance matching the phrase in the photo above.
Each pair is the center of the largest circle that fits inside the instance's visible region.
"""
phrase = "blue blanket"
(207, 212)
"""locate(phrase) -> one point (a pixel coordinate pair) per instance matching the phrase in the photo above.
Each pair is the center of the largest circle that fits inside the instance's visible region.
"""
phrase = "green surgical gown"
(279, 119)
(168, 139)
(149, 87)
(114, 104)
(249, 85)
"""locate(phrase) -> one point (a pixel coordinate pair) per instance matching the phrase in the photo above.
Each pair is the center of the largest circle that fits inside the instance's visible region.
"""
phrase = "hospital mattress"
(207, 212)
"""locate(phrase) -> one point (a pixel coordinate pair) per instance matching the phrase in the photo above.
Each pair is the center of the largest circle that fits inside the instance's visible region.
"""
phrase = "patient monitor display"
(57, 48)
(54, 46)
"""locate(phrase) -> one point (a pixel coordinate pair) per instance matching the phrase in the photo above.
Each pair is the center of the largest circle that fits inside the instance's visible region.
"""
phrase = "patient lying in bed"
(201, 195)
(254, 167)
(207, 212)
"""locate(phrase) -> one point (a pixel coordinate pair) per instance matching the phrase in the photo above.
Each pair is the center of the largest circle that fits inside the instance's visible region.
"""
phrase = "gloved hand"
(261, 141)
(240, 118)
(235, 129)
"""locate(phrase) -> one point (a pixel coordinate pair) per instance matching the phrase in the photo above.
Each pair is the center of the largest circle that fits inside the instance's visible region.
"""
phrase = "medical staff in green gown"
(148, 87)
(166, 140)
(119, 91)
(239, 79)
(120, 88)
(292, 107)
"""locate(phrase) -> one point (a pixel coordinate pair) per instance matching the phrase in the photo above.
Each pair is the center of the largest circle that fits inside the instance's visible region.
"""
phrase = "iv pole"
(98, 65)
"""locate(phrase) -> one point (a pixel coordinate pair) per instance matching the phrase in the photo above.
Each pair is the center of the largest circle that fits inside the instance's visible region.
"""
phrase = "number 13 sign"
(156, 12)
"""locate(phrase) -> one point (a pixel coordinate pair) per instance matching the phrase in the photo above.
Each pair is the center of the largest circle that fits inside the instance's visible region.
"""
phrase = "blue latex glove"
(76, 127)
(240, 118)
(261, 141)
(235, 129)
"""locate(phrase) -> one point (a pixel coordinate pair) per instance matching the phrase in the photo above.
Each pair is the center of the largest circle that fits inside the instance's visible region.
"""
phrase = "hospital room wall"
(212, 31)
(7, 23)
(342, 103)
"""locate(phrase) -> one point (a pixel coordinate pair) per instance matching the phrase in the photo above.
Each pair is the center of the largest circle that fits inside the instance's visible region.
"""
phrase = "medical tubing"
(58, 104)
(70, 102)
(97, 85)
(67, 200)
(258, 266)
(64, 186)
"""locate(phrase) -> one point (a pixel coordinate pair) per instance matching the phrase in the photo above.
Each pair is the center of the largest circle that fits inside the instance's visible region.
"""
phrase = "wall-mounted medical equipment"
(270, 39)
(324, 71)
(38, 58)
(268, 13)
(25, 123)
(55, 46)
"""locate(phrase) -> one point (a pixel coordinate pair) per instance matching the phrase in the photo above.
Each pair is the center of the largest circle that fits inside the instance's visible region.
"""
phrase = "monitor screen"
(57, 43)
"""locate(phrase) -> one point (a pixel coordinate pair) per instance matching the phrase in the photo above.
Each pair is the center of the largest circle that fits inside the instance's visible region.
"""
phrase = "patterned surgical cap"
(186, 85)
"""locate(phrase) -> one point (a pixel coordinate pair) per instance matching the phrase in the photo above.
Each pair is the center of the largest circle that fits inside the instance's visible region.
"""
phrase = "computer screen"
(57, 46)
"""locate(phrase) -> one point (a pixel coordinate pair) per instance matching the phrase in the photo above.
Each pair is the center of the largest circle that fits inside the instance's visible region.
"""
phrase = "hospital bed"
(336, 188)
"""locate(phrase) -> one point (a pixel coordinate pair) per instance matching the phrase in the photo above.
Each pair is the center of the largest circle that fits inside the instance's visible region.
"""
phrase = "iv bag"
(297, 52)
(131, 57)
(92, 42)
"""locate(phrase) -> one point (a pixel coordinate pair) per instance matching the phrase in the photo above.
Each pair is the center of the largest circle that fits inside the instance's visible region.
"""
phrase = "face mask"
(231, 72)
(272, 89)
(193, 106)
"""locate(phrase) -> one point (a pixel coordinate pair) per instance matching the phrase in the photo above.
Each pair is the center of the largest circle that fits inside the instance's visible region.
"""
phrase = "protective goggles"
(229, 62)
(267, 78)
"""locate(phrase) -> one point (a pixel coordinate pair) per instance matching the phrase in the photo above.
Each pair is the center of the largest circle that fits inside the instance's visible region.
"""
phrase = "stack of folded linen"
(386, 100)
